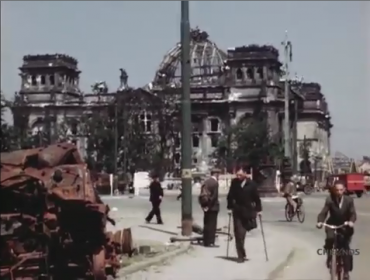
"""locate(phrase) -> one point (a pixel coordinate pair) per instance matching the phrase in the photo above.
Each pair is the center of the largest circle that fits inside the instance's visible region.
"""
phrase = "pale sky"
(331, 43)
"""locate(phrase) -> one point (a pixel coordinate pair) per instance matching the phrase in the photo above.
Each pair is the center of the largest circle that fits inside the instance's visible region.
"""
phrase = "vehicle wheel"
(288, 213)
(359, 193)
(301, 215)
(308, 189)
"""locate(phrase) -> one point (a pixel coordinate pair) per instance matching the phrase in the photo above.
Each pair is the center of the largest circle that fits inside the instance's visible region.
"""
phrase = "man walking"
(156, 196)
(244, 203)
(208, 200)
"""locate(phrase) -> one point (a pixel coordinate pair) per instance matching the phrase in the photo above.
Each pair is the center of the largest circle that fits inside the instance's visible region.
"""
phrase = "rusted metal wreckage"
(53, 222)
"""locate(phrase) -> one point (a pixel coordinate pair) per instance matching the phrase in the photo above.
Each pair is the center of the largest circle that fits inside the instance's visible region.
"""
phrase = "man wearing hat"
(244, 204)
(208, 200)
(156, 196)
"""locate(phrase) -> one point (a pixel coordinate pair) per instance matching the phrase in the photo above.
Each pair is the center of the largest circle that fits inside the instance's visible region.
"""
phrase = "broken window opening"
(215, 125)
(195, 141)
(250, 73)
(195, 127)
(74, 127)
(33, 80)
(239, 74)
(270, 73)
(195, 160)
(42, 80)
(177, 157)
(52, 80)
(214, 141)
(260, 73)
(177, 142)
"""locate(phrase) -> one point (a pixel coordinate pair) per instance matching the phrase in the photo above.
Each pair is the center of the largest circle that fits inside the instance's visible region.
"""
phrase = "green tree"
(136, 131)
(99, 135)
(248, 142)
(167, 117)
(146, 123)
(8, 133)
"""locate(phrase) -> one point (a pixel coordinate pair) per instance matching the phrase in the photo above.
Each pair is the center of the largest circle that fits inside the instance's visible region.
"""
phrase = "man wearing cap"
(208, 200)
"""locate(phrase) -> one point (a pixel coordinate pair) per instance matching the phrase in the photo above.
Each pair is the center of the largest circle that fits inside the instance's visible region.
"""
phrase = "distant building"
(225, 87)
(314, 125)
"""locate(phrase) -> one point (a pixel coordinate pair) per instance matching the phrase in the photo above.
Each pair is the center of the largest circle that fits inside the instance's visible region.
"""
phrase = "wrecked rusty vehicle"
(53, 222)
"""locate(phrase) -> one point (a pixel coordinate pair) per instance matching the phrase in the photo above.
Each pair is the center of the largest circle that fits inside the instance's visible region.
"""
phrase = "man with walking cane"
(244, 204)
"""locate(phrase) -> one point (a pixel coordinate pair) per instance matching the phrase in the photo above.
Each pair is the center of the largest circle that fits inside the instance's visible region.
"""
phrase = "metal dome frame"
(206, 61)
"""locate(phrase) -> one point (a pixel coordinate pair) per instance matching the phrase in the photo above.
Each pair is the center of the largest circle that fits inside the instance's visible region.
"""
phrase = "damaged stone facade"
(225, 86)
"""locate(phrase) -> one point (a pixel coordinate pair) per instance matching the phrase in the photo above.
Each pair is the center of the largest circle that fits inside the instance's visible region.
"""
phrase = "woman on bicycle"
(341, 209)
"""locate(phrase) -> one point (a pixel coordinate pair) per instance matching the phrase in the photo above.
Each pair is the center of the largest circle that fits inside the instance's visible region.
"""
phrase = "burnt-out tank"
(53, 222)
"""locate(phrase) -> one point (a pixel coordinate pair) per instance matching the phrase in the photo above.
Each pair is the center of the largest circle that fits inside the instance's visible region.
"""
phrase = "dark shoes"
(211, 246)
(158, 222)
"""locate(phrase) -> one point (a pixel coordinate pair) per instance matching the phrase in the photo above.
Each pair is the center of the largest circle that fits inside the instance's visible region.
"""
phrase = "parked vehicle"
(306, 185)
(354, 182)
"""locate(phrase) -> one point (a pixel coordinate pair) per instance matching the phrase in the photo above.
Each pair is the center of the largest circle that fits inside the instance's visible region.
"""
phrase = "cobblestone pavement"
(281, 238)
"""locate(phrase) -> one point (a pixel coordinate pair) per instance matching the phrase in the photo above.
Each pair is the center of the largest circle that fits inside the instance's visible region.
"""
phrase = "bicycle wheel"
(301, 215)
(340, 270)
(288, 213)
(333, 267)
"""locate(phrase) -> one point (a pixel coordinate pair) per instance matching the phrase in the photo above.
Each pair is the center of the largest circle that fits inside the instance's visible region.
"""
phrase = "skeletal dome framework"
(205, 57)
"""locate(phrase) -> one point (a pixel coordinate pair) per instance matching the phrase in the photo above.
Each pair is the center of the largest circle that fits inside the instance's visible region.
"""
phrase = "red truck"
(354, 182)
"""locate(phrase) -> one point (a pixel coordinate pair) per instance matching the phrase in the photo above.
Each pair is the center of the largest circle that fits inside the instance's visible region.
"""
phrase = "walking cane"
(263, 238)
(228, 236)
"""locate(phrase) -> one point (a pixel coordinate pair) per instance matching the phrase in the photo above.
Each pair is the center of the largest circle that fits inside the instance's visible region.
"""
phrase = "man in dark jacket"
(208, 200)
(156, 196)
(244, 203)
(341, 209)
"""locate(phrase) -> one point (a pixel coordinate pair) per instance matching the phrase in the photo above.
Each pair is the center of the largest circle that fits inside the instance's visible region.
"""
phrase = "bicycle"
(289, 211)
(336, 265)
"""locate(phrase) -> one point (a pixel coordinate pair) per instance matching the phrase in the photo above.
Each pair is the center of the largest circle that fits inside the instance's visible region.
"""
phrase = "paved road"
(273, 216)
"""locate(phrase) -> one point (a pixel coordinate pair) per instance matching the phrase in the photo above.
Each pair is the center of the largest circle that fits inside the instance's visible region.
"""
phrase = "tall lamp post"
(186, 176)
(287, 58)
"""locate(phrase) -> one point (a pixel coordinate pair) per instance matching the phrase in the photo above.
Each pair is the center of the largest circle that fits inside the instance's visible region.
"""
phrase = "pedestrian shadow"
(159, 230)
(230, 259)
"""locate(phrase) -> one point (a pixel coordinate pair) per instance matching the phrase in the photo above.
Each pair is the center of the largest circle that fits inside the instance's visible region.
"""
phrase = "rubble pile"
(53, 222)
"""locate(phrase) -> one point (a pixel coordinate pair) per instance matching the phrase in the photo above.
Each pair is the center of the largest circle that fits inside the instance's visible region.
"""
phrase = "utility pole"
(287, 58)
(295, 126)
(294, 137)
(186, 176)
(115, 177)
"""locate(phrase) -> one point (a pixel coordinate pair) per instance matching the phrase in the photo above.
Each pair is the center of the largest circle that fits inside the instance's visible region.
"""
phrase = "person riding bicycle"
(290, 192)
(341, 209)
